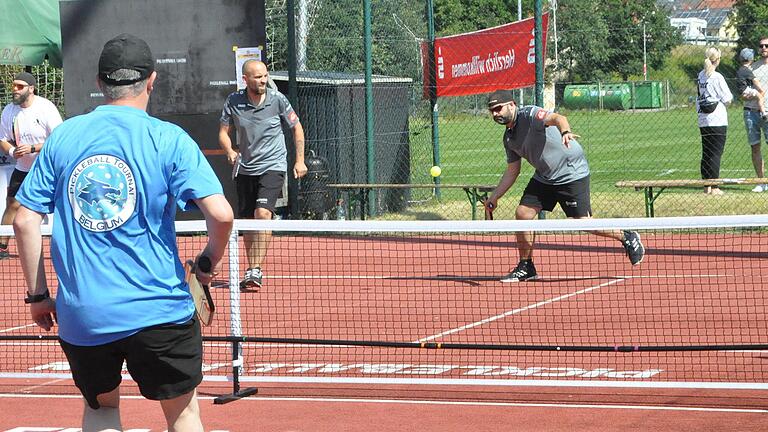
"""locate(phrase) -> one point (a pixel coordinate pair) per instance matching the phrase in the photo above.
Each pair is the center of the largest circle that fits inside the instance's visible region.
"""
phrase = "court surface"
(687, 292)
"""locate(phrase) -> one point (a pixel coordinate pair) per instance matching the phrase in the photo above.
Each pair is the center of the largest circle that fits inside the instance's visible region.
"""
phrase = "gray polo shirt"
(259, 130)
(542, 146)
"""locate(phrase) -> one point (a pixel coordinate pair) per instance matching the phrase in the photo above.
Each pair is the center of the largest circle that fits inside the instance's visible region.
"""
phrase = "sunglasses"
(20, 86)
(763, 45)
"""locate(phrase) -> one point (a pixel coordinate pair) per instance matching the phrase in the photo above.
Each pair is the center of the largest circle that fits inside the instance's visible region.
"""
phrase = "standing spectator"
(753, 121)
(257, 114)
(24, 126)
(546, 141)
(713, 117)
(748, 86)
(112, 177)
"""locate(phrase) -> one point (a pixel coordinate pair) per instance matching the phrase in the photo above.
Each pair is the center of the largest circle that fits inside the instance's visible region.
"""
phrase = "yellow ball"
(435, 171)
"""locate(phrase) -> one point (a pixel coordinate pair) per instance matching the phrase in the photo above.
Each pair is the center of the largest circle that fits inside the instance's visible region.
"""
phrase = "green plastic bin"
(617, 96)
(581, 96)
(648, 94)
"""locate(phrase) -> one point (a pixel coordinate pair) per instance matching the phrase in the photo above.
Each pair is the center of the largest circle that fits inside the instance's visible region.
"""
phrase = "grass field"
(620, 145)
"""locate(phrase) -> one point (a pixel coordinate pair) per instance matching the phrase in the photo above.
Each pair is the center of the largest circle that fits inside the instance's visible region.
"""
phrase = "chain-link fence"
(50, 83)
(633, 125)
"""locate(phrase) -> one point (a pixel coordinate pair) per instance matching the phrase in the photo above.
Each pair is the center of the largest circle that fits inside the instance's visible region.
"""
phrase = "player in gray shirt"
(545, 140)
(257, 115)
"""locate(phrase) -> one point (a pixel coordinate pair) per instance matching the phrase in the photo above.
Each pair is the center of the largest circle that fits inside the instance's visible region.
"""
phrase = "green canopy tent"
(29, 32)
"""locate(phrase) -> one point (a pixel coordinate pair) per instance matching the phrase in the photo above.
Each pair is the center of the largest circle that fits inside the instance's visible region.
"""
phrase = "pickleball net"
(421, 302)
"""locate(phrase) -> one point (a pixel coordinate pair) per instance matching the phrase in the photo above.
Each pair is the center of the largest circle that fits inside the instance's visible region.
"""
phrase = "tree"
(602, 39)
(461, 16)
(583, 39)
(335, 40)
(750, 18)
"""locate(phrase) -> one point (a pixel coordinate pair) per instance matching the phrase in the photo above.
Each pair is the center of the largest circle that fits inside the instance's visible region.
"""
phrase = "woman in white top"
(713, 125)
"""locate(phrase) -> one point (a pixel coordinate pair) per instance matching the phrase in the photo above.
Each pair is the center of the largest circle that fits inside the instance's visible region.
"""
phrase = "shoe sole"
(518, 280)
(246, 286)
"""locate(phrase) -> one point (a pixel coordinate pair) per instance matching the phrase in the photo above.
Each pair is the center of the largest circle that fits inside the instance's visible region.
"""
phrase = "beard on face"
(502, 119)
(20, 98)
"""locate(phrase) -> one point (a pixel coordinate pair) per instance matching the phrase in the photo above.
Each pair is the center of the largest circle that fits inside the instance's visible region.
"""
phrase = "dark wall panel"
(192, 41)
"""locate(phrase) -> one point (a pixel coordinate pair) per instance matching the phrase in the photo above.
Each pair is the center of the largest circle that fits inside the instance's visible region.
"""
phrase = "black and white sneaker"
(252, 279)
(634, 247)
(524, 271)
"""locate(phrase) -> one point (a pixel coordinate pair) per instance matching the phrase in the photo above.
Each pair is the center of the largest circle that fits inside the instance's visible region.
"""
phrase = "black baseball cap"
(500, 97)
(26, 77)
(125, 51)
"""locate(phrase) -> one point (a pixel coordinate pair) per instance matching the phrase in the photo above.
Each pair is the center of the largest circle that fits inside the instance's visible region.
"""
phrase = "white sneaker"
(760, 188)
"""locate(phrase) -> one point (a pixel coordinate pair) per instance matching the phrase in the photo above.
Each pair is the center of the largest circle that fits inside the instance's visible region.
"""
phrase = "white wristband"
(11, 151)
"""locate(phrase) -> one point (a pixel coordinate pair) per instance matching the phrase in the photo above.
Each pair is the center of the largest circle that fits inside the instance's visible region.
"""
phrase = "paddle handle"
(204, 264)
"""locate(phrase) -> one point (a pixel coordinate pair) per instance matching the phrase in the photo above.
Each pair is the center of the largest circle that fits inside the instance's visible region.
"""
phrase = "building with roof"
(703, 22)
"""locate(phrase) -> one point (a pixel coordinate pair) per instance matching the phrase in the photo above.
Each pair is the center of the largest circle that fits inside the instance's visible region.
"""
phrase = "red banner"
(483, 61)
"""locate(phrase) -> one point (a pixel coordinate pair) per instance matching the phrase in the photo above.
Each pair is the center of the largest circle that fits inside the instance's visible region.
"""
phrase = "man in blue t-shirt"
(545, 140)
(112, 178)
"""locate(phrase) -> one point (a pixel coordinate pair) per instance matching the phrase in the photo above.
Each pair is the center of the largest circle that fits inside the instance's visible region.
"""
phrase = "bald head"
(255, 75)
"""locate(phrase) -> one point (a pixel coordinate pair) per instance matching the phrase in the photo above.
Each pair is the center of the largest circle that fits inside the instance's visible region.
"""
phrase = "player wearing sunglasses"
(24, 126)
(755, 123)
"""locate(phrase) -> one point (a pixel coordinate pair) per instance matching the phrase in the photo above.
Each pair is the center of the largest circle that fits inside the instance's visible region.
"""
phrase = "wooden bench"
(359, 192)
(660, 185)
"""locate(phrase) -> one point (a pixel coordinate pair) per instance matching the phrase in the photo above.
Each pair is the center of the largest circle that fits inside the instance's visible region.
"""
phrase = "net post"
(237, 393)
(235, 323)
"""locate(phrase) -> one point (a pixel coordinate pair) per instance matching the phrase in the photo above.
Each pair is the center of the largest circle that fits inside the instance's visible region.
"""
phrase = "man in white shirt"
(755, 124)
(24, 125)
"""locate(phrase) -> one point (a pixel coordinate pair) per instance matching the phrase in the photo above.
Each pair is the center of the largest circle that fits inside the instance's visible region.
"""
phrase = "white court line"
(474, 276)
(435, 402)
(518, 311)
(454, 382)
(17, 328)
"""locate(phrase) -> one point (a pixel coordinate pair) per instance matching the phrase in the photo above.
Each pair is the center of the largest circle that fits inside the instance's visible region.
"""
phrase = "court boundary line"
(518, 311)
(435, 402)
(450, 382)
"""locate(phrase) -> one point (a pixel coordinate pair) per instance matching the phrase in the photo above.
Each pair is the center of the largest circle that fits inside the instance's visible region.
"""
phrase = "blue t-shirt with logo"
(112, 178)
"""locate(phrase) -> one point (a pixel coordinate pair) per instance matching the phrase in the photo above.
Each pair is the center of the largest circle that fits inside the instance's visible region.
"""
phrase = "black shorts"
(573, 197)
(17, 177)
(166, 361)
(258, 192)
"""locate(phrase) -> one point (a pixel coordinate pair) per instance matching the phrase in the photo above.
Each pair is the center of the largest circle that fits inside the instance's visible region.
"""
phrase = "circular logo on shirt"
(102, 192)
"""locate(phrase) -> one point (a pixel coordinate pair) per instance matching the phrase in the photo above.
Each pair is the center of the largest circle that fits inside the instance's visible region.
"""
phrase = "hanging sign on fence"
(483, 61)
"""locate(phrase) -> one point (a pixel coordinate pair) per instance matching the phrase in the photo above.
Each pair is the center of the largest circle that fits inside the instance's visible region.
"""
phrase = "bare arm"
(24, 149)
(757, 86)
(218, 220)
(26, 226)
(507, 180)
(6, 147)
(299, 168)
(561, 122)
(225, 142)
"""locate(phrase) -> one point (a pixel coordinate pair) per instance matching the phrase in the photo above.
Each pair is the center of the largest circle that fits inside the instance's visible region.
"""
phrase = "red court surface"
(689, 291)
(454, 409)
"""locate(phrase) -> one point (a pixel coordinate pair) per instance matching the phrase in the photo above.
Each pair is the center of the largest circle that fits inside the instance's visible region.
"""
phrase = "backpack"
(706, 105)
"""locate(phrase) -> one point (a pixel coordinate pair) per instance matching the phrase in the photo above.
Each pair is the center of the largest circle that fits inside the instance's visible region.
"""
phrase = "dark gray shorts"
(258, 192)
(166, 361)
(573, 197)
